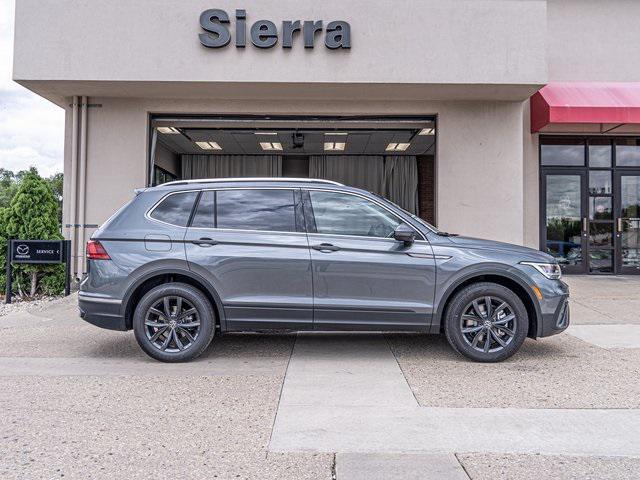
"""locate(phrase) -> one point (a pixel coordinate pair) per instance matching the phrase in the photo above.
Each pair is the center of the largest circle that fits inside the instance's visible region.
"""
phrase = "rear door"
(250, 243)
(363, 278)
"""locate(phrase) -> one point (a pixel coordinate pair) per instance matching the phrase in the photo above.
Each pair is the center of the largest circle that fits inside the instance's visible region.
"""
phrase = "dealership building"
(514, 120)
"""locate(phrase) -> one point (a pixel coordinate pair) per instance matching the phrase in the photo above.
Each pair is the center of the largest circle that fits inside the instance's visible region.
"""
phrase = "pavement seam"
(284, 379)
(401, 370)
(462, 465)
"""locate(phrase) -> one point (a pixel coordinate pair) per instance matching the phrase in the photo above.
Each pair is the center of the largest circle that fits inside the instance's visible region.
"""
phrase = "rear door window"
(246, 209)
(175, 208)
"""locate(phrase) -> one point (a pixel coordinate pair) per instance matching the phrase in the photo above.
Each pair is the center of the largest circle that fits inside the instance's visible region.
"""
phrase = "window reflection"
(563, 218)
(341, 214)
(175, 209)
(269, 210)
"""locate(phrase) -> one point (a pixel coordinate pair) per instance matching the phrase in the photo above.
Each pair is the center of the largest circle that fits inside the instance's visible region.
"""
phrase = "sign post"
(38, 252)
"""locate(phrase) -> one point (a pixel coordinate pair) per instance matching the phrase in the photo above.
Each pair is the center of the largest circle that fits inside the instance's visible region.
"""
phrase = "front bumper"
(101, 312)
(557, 321)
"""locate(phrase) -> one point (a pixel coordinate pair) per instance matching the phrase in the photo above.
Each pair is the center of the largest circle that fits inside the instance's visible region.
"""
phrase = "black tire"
(502, 344)
(186, 340)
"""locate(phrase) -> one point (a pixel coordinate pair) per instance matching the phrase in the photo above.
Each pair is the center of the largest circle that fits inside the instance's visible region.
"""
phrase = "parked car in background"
(189, 260)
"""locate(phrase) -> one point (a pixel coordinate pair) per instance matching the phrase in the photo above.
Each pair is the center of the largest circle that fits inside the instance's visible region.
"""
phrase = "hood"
(529, 254)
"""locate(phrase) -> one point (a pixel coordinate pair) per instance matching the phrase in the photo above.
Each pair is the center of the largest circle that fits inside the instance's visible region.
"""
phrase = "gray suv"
(189, 260)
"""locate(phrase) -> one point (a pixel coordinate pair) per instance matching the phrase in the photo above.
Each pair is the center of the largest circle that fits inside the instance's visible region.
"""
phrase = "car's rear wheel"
(486, 322)
(174, 322)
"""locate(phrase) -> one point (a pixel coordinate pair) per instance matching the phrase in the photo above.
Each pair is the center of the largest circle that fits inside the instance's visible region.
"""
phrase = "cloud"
(31, 128)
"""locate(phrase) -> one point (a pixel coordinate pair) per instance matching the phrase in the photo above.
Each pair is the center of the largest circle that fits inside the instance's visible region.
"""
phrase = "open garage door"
(393, 157)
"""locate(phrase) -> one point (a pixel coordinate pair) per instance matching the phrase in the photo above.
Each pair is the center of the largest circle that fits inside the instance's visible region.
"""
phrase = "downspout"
(82, 181)
(71, 217)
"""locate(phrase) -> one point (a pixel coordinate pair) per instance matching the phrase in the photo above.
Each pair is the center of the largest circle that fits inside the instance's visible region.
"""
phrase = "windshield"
(414, 217)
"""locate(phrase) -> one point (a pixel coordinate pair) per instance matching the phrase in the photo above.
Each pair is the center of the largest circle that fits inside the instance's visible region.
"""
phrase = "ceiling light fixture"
(170, 130)
(271, 145)
(336, 133)
(209, 145)
(265, 133)
(427, 131)
(334, 145)
(397, 147)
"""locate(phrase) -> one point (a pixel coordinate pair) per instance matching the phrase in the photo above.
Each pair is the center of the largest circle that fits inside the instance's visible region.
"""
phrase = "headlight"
(550, 270)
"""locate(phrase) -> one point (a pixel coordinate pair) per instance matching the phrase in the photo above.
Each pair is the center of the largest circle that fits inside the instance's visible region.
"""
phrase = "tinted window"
(270, 210)
(342, 214)
(205, 213)
(562, 151)
(175, 209)
(628, 152)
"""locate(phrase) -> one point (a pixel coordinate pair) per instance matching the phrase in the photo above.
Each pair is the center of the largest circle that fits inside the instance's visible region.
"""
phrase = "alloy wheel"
(488, 324)
(172, 324)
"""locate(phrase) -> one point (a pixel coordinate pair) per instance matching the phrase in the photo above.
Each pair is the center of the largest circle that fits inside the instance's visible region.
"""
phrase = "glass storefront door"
(564, 222)
(628, 222)
(590, 203)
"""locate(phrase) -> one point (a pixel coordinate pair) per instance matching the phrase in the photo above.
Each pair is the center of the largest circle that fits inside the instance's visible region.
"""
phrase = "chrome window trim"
(355, 194)
(292, 188)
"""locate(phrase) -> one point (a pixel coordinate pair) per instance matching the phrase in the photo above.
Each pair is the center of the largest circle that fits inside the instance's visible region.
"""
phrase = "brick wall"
(426, 188)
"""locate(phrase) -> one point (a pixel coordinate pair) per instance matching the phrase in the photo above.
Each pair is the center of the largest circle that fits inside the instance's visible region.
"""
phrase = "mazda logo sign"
(22, 250)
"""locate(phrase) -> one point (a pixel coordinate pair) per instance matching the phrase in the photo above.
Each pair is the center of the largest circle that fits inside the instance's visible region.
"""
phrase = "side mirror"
(404, 233)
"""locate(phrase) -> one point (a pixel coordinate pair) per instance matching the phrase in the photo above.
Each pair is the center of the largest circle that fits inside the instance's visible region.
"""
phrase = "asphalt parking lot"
(80, 402)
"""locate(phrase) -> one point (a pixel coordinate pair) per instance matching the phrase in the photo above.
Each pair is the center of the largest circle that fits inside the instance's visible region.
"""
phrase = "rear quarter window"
(175, 208)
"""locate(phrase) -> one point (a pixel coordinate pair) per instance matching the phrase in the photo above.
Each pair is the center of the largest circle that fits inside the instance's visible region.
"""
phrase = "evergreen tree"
(32, 214)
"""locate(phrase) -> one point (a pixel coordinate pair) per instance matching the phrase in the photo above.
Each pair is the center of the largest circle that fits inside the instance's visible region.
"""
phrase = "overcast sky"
(31, 128)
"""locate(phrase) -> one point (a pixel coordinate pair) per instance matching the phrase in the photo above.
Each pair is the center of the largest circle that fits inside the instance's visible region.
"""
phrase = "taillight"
(95, 251)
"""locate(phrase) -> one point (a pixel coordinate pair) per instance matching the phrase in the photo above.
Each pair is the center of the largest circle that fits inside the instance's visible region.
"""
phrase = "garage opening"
(393, 157)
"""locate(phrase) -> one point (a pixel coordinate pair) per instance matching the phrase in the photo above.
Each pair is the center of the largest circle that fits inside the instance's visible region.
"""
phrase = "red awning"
(571, 105)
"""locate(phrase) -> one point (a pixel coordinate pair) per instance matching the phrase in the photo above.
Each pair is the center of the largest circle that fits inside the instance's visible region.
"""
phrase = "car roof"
(245, 182)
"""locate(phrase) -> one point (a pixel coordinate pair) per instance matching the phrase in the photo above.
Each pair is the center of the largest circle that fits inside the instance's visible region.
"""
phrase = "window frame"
(311, 221)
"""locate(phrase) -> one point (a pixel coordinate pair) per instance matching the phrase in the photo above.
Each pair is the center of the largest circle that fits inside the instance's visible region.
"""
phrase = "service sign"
(37, 251)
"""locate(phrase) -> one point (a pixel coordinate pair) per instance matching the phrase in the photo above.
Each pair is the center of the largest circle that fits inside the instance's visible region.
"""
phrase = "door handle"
(204, 242)
(325, 247)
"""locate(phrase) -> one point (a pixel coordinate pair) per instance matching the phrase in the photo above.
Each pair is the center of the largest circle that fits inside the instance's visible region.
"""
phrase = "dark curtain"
(394, 176)
(221, 166)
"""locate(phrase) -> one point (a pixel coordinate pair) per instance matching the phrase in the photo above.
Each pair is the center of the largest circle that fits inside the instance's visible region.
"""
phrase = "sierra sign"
(265, 34)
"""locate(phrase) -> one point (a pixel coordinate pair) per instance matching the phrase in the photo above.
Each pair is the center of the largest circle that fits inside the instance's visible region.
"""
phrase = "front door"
(362, 277)
(564, 219)
(628, 222)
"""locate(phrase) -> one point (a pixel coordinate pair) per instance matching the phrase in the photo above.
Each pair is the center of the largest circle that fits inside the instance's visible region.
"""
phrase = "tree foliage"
(32, 212)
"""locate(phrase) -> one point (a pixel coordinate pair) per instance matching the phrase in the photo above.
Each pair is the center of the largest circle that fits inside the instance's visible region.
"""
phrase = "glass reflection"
(628, 152)
(600, 182)
(340, 214)
(600, 208)
(601, 234)
(563, 218)
(268, 210)
(601, 261)
(600, 155)
(175, 209)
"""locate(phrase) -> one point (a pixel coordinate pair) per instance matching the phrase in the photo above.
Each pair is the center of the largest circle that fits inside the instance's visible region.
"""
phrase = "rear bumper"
(101, 312)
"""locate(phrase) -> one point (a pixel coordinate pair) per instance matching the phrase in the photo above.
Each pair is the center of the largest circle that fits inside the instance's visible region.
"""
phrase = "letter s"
(211, 21)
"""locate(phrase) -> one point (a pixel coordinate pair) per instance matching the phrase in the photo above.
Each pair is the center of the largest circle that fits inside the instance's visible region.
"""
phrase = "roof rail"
(251, 179)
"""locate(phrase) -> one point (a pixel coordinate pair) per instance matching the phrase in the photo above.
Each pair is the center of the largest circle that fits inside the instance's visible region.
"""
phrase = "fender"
(497, 270)
(177, 271)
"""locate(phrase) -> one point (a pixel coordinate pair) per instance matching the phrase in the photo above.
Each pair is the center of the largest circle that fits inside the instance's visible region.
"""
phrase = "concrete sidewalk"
(87, 403)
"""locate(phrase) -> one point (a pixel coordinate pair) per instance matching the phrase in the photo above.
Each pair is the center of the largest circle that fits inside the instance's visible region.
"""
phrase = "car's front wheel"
(486, 322)
(174, 322)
